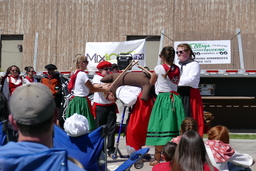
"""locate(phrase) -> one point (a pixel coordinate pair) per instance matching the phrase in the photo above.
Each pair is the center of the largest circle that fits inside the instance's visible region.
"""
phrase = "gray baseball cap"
(31, 104)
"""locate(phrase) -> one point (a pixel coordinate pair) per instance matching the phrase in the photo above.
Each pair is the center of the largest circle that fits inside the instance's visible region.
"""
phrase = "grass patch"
(239, 136)
(242, 136)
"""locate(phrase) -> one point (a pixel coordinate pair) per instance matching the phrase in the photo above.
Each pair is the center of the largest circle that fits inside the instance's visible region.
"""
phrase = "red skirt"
(138, 123)
(197, 110)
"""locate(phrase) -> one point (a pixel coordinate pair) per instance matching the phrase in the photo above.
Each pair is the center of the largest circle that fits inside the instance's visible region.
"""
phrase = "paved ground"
(242, 146)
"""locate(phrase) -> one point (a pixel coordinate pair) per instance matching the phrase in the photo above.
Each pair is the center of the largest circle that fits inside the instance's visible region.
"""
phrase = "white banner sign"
(209, 52)
(97, 52)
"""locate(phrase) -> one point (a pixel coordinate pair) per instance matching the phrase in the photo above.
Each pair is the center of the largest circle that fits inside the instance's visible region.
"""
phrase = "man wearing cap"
(52, 80)
(33, 115)
(104, 110)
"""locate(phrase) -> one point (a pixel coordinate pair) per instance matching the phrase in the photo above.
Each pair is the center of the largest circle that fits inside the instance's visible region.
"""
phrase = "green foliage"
(242, 136)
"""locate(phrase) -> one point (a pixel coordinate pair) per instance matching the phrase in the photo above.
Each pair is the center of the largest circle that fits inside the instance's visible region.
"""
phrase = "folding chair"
(44, 159)
(134, 159)
(87, 149)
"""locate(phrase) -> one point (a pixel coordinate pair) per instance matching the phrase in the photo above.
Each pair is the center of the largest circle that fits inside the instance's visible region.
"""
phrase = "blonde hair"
(78, 59)
(187, 48)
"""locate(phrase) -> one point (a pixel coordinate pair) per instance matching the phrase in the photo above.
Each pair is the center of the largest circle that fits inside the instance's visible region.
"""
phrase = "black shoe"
(110, 152)
(146, 158)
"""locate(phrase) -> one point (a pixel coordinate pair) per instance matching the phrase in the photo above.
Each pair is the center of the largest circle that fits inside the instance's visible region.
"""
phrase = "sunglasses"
(107, 69)
(31, 71)
(181, 52)
(86, 62)
(14, 70)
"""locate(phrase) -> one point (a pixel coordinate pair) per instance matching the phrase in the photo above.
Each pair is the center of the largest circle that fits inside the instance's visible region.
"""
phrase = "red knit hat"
(104, 64)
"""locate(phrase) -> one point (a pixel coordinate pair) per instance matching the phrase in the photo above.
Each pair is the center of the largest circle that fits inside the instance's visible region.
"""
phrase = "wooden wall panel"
(165, 23)
(11, 17)
(28, 30)
(2, 15)
(18, 12)
(51, 23)
(116, 23)
(64, 26)
(64, 39)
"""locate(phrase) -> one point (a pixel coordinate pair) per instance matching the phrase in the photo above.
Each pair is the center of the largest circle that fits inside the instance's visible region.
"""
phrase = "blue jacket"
(26, 156)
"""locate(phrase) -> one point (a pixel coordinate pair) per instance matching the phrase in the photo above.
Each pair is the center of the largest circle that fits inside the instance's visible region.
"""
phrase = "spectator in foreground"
(168, 153)
(222, 155)
(33, 115)
(76, 125)
(188, 124)
(190, 154)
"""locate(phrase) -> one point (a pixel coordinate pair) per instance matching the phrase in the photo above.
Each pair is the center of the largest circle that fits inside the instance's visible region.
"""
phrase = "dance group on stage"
(165, 110)
(160, 101)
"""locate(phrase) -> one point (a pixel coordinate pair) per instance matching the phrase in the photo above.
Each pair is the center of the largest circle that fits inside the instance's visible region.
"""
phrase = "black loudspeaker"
(123, 60)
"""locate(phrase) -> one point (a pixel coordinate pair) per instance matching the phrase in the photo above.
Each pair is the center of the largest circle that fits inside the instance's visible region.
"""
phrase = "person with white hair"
(76, 125)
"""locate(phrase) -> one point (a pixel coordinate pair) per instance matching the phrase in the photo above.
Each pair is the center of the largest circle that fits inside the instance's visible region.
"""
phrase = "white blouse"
(128, 94)
(243, 160)
(163, 84)
(190, 74)
(80, 89)
(98, 96)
